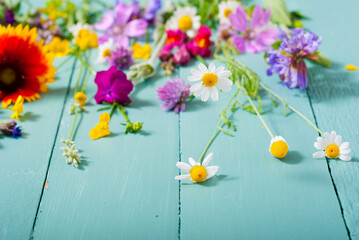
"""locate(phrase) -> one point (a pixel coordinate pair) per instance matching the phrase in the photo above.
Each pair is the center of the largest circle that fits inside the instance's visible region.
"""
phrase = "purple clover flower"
(174, 94)
(112, 86)
(117, 24)
(288, 59)
(120, 58)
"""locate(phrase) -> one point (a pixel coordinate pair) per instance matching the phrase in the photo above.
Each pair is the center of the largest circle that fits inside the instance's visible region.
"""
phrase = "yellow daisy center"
(209, 79)
(7, 76)
(185, 23)
(226, 12)
(332, 151)
(198, 173)
(279, 149)
(106, 53)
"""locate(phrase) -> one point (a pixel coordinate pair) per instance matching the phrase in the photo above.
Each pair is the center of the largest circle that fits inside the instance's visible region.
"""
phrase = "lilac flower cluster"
(174, 95)
(288, 59)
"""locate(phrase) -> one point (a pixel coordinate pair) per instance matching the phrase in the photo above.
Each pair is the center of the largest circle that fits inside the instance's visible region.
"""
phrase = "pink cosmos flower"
(255, 35)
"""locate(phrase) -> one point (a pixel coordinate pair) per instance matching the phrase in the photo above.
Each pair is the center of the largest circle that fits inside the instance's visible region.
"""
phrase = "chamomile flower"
(226, 8)
(278, 147)
(104, 50)
(210, 78)
(186, 19)
(197, 172)
(331, 146)
(75, 29)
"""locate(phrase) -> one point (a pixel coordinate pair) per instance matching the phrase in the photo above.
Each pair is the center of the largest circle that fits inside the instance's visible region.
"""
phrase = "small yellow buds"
(102, 128)
(278, 147)
(81, 98)
(141, 52)
(198, 174)
(18, 108)
(351, 67)
(60, 48)
(86, 40)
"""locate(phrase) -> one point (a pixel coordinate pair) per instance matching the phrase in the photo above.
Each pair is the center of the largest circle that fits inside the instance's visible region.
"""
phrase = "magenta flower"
(181, 56)
(174, 94)
(112, 85)
(254, 36)
(175, 38)
(200, 45)
(117, 24)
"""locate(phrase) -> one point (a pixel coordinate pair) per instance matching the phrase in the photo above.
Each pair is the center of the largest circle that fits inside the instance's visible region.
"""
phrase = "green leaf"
(298, 15)
(323, 59)
(279, 13)
(102, 109)
(274, 102)
(226, 132)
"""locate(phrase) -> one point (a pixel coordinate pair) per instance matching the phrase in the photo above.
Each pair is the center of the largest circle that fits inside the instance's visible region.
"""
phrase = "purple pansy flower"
(151, 9)
(254, 36)
(9, 128)
(174, 94)
(121, 58)
(288, 59)
(112, 85)
(117, 24)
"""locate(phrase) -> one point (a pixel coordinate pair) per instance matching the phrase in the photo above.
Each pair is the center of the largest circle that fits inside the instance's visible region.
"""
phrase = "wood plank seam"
(53, 147)
(329, 168)
(179, 172)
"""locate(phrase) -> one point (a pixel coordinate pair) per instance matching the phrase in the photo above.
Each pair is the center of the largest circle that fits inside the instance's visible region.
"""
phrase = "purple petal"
(106, 22)
(253, 47)
(239, 20)
(259, 17)
(123, 14)
(136, 28)
(267, 37)
(123, 42)
(240, 42)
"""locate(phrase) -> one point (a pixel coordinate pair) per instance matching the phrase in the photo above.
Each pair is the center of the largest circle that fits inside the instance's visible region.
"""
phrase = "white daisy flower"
(278, 147)
(186, 19)
(210, 78)
(226, 8)
(331, 146)
(105, 50)
(74, 29)
(196, 171)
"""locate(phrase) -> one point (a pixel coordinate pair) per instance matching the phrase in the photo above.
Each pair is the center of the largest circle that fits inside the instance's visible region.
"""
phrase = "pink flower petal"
(239, 20)
(136, 28)
(259, 17)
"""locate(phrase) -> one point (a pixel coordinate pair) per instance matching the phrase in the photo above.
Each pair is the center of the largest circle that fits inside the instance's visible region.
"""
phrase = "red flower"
(201, 42)
(25, 65)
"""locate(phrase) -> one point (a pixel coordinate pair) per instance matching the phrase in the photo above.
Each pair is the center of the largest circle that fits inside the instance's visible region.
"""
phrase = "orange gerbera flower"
(25, 64)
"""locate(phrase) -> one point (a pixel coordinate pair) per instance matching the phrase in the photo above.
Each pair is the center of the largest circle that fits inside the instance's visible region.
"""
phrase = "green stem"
(292, 108)
(78, 78)
(123, 111)
(113, 109)
(217, 128)
(74, 123)
(63, 62)
(86, 64)
(199, 58)
(86, 81)
(255, 109)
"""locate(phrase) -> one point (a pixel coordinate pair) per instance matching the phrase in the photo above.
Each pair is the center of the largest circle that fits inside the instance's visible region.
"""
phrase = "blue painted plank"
(125, 187)
(256, 196)
(24, 161)
(334, 94)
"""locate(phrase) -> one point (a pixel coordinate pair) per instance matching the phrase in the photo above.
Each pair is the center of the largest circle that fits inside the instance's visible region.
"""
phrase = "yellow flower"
(141, 52)
(81, 98)
(102, 128)
(18, 107)
(278, 147)
(60, 48)
(351, 67)
(85, 39)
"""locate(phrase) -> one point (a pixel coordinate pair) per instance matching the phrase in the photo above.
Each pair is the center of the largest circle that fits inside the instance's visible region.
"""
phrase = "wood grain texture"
(124, 188)
(335, 94)
(254, 195)
(24, 161)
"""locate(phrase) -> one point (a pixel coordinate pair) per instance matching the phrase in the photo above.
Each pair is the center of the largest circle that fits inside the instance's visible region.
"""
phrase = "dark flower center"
(9, 78)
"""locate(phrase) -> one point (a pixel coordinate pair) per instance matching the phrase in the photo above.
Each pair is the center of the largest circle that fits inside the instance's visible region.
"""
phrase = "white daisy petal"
(219, 70)
(192, 162)
(326, 137)
(196, 87)
(319, 146)
(212, 68)
(205, 94)
(224, 84)
(202, 68)
(344, 145)
(322, 142)
(194, 78)
(184, 166)
(196, 72)
(319, 154)
(345, 151)
(345, 157)
(183, 177)
(207, 160)
(338, 140)
(225, 74)
(214, 94)
(211, 171)
(333, 135)
(199, 91)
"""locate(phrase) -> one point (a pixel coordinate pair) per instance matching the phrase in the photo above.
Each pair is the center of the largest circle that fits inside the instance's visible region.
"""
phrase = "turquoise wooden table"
(125, 187)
